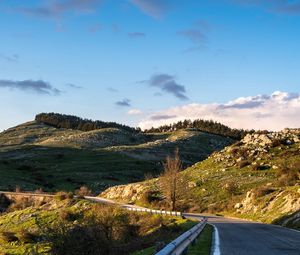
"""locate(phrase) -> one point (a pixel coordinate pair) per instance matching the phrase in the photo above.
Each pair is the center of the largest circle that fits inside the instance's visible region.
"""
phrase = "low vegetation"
(35, 155)
(253, 179)
(72, 226)
(202, 245)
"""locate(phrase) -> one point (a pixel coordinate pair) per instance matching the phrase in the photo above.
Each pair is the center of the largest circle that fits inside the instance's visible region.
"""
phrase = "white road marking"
(216, 248)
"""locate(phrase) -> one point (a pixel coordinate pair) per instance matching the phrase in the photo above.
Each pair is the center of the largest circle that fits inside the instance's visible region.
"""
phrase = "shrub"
(8, 237)
(260, 167)
(39, 191)
(4, 203)
(243, 163)
(238, 143)
(83, 191)
(25, 236)
(18, 189)
(21, 203)
(277, 142)
(288, 175)
(83, 240)
(231, 188)
(60, 196)
(262, 191)
(150, 196)
(68, 215)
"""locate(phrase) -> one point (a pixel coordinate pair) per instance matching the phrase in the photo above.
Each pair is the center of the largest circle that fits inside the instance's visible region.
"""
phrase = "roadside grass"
(147, 251)
(203, 243)
(201, 247)
(182, 225)
(37, 219)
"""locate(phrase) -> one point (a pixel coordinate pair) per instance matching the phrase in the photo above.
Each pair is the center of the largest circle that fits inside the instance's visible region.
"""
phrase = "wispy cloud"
(57, 8)
(73, 86)
(115, 28)
(135, 112)
(135, 35)
(162, 117)
(111, 89)
(167, 83)
(12, 58)
(281, 6)
(273, 112)
(95, 28)
(153, 8)
(124, 103)
(197, 34)
(38, 86)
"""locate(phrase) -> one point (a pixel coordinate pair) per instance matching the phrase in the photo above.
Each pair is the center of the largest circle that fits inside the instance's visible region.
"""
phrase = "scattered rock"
(238, 206)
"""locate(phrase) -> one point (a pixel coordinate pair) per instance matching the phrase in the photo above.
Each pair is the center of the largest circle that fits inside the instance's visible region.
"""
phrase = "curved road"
(239, 237)
(233, 236)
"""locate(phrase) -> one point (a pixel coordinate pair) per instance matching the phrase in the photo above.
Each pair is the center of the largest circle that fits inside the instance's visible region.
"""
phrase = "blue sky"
(131, 60)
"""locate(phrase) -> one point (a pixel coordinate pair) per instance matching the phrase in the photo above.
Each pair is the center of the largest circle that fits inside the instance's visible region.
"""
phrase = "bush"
(21, 203)
(243, 163)
(288, 175)
(277, 142)
(67, 215)
(25, 236)
(260, 167)
(60, 196)
(18, 189)
(83, 191)
(8, 237)
(4, 203)
(150, 196)
(231, 188)
(263, 191)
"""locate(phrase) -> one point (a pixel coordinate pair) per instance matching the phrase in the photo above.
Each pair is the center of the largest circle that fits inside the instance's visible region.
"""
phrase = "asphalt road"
(238, 237)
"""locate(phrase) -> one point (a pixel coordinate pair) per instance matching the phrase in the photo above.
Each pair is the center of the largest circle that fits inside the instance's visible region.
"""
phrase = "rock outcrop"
(126, 193)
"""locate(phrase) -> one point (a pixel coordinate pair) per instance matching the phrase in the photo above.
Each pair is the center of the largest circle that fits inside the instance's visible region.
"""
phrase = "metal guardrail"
(181, 244)
(162, 212)
(23, 193)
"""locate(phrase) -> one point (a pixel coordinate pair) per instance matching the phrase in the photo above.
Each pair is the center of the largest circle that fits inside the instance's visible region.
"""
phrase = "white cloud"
(134, 112)
(272, 112)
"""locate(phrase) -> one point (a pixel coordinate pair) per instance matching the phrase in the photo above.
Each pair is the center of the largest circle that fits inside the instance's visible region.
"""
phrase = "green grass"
(201, 247)
(36, 156)
(34, 219)
(67, 169)
(147, 251)
(203, 243)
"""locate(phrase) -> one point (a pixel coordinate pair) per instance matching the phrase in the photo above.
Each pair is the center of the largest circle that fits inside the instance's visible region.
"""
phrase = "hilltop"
(256, 178)
(62, 152)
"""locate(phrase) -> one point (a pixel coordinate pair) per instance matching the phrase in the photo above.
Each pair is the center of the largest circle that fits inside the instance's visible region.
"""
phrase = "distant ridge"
(208, 126)
(73, 122)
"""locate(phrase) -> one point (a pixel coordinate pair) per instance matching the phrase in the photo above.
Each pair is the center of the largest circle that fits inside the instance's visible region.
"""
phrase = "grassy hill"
(257, 178)
(37, 155)
(65, 225)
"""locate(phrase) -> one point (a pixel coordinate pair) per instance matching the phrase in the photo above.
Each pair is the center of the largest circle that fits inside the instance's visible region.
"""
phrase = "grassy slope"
(212, 177)
(34, 155)
(219, 183)
(31, 218)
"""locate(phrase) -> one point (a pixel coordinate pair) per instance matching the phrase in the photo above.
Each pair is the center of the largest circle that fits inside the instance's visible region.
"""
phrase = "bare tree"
(172, 183)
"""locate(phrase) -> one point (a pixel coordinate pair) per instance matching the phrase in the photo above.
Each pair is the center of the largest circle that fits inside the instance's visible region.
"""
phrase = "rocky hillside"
(256, 178)
(37, 155)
